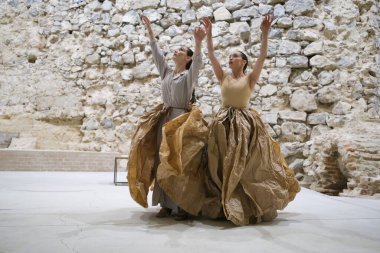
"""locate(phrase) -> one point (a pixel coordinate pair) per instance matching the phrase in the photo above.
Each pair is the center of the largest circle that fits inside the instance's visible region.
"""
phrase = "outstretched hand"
(148, 26)
(266, 23)
(208, 26)
(199, 34)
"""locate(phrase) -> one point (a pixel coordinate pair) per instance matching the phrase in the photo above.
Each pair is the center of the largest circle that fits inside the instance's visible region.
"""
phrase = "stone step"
(52, 160)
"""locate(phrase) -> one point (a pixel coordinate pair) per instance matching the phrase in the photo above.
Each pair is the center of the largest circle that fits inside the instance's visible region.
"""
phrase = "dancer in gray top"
(177, 87)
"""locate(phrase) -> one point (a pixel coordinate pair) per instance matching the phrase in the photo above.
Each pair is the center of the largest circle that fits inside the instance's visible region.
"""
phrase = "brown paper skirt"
(248, 176)
(182, 161)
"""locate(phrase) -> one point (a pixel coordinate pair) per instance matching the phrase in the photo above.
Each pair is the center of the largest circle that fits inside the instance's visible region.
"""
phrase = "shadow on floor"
(132, 217)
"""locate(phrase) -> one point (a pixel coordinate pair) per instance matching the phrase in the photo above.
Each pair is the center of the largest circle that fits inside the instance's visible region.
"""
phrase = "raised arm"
(210, 48)
(258, 66)
(199, 35)
(158, 57)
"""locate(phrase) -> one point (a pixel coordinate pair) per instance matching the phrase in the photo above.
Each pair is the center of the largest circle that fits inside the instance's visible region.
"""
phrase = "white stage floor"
(84, 212)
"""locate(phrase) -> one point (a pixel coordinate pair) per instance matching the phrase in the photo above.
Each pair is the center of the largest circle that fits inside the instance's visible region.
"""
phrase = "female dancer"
(167, 146)
(249, 176)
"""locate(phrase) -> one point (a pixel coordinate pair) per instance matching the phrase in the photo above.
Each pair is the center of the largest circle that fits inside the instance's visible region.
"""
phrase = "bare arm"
(258, 66)
(210, 47)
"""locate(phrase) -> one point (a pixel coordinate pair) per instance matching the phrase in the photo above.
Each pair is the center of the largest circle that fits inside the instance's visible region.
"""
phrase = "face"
(235, 61)
(180, 55)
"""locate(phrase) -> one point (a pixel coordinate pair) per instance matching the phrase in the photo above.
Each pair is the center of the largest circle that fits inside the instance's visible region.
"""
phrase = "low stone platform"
(50, 160)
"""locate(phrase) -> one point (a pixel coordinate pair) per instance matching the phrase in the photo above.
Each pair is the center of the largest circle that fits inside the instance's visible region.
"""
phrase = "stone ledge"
(54, 160)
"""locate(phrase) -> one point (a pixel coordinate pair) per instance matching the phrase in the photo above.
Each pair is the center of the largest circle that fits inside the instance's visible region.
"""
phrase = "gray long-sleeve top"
(176, 89)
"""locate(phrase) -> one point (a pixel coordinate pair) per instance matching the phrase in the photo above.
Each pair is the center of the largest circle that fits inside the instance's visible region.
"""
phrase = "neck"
(179, 68)
(237, 73)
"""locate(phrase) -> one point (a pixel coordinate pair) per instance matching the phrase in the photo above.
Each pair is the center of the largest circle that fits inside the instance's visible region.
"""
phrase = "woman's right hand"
(266, 23)
(208, 26)
(148, 26)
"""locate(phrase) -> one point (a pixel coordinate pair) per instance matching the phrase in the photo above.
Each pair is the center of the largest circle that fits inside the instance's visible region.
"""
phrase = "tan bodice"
(236, 92)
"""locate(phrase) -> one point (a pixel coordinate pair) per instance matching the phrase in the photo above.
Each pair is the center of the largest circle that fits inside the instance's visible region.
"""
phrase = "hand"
(148, 26)
(266, 23)
(199, 34)
(208, 25)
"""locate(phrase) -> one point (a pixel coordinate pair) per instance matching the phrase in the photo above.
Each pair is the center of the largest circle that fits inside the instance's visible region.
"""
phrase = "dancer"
(249, 176)
(167, 146)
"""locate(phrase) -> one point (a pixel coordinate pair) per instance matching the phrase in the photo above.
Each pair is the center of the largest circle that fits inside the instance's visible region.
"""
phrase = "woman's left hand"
(266, 23)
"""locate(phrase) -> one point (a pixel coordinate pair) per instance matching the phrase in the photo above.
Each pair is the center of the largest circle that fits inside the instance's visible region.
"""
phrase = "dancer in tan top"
(167, 132)
(249, 177)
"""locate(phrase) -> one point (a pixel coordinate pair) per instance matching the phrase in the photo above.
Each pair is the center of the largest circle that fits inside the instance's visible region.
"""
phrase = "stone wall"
(77, 75)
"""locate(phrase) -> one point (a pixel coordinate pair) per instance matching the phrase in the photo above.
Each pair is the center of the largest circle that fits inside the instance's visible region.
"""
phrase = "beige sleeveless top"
(235, 92)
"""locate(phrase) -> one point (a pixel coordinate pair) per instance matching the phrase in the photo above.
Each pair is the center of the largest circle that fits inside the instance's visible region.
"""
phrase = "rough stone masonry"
(78, 74)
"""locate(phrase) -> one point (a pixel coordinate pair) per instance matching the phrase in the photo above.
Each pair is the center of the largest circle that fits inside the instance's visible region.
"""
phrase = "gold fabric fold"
(142, 154)
(182, 166)
(181, 172)
(247, 167)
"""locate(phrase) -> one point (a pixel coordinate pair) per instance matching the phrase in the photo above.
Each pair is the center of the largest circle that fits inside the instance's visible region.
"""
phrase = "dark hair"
(244, 57)
(193, 98)
(189, 53)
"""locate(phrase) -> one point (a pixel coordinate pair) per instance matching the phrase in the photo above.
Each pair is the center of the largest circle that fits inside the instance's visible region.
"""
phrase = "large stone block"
(302, 100)
(6, 138)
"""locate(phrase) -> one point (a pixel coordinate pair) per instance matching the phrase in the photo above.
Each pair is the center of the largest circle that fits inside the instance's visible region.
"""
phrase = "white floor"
(84, 212)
